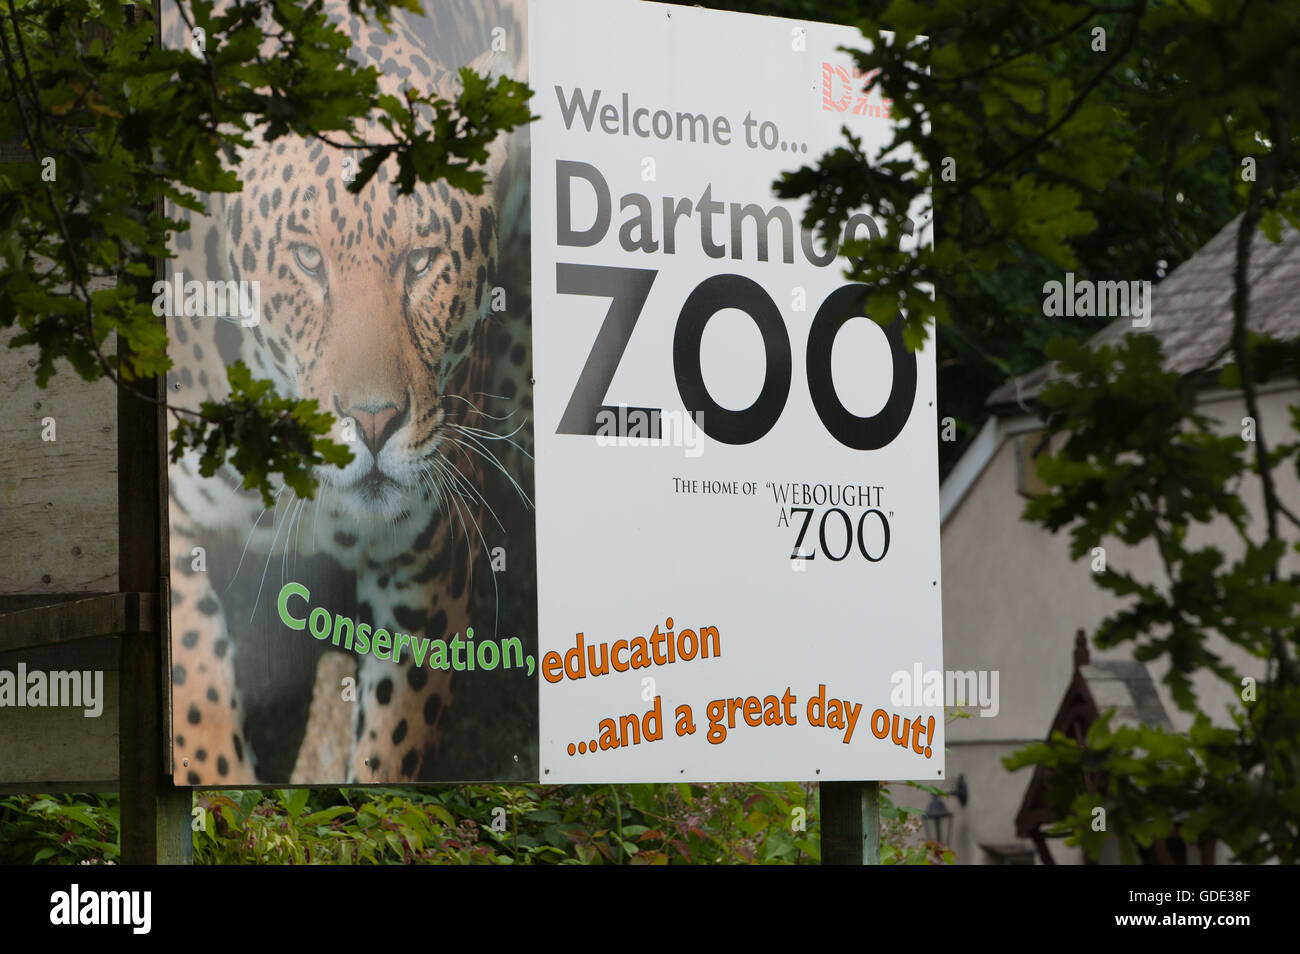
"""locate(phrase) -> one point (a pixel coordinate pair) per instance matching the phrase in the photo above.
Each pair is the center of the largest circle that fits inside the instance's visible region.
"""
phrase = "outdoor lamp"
(938, 819)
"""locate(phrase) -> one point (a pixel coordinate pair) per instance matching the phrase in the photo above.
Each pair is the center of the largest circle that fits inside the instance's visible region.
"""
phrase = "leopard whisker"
(476, 492)
(320, 505)
(284, 556)
(421, 483)
(444, 491)
(425, 475)
(491, 458)
(483, 448)
(249, 539)
(478, 410)
(455, 494)
(496, 594)
(297, 539)
(490, 435)
(269, 551)
(455, 498)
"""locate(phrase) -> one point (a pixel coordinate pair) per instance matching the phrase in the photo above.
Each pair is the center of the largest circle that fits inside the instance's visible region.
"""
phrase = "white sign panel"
(736, 472)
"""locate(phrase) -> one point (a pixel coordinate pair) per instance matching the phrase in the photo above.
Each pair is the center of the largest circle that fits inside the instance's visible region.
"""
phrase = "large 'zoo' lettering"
(628, 288)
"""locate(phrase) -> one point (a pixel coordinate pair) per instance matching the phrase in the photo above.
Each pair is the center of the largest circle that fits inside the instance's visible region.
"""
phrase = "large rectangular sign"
(728, 541)
(737, 518)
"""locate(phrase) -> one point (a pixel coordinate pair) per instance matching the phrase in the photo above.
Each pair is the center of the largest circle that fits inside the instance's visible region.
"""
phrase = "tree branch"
(1240, 314)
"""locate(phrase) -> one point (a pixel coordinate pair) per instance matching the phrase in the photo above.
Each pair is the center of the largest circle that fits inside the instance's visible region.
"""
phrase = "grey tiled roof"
(1191, 309)
(1127, 686)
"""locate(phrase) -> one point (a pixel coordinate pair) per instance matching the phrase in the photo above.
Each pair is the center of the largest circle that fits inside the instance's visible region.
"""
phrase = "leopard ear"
(492, 65)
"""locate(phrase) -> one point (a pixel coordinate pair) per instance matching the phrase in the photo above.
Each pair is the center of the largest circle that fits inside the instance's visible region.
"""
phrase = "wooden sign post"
(155, 820)
(850, 823)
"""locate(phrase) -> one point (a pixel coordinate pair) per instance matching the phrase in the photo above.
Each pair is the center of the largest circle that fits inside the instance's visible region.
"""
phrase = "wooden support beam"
(1044, 852)
(850, 823)
(155, 822)
(155, 819)
(105, 614)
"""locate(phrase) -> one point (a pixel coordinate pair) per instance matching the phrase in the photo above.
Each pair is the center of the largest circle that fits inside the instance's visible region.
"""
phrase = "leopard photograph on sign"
(385, 630)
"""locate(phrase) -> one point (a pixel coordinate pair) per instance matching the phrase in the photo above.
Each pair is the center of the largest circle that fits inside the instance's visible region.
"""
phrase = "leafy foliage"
(1140, 463)
(902, 837)
(115, 128)
(58, 829)
(261, 433)
(1042, 155)
(764, 823)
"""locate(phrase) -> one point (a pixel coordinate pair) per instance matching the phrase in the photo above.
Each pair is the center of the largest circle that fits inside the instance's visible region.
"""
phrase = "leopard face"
(369, 305)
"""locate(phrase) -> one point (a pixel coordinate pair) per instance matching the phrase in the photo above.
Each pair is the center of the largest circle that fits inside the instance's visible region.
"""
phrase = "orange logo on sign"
(842, 92)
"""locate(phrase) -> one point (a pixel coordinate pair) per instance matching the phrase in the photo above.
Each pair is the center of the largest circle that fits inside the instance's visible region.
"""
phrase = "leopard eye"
(308, 258)
(419, 260)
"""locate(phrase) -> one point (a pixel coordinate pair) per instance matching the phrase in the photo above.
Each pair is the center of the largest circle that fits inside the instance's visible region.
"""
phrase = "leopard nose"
(377, 422)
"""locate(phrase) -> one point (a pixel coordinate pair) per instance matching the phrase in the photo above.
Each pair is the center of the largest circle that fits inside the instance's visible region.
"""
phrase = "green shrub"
(58, 829)
(659, 824)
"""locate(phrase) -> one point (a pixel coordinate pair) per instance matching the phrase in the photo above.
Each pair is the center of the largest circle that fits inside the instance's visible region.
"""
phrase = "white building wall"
(1012, 601)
